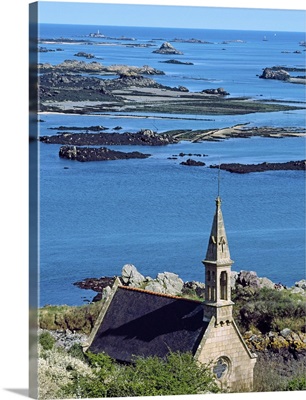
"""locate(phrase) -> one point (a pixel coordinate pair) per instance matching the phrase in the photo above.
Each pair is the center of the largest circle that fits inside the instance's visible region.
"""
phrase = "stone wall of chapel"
(224, 341)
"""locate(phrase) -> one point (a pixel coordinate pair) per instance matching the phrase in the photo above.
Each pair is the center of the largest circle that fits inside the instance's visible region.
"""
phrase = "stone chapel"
(135, 322)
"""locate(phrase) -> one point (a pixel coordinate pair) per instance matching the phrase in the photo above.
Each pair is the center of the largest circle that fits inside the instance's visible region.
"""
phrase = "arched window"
(208, 292)
(208, 275)
(213, 294)
(223, 285)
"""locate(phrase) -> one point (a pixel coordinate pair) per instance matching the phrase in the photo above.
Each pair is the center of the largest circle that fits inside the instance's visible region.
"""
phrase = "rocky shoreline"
(145, 137)
(171, 283)
(283, 348)
(70, 87)
(151, 138)
(285, 343)
(248, 168)
(94, 67)
(236, 131)
(84, 154)
(282, 74)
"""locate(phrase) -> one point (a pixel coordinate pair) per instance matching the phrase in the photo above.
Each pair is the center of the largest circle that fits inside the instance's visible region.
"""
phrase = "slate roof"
(142, 323)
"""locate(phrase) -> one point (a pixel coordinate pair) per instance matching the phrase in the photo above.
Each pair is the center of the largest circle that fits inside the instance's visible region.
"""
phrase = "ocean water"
(155, 213)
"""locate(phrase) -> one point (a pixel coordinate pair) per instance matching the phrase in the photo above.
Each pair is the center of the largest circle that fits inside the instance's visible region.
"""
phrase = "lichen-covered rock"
(298, 290)
(249, 278)
(218, 91)
(285, 332)
(155, 287)
(280, 74)
(301, 284)
(167, 48)
(195, 287)
(172, 283)
(266, 283)
(131, 276)
(278, 343)
(193, 163)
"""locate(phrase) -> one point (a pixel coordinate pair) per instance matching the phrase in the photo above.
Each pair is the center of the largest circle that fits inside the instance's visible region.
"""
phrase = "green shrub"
(267, 309)
(298, 383)
(76, 351)
(75, 318)
(178, 374)
(46, 340)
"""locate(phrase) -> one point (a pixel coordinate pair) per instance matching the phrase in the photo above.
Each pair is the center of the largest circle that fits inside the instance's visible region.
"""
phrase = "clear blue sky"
(171, 16)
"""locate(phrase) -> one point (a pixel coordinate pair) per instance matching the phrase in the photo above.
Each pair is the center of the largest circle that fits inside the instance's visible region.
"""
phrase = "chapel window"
(223, 285)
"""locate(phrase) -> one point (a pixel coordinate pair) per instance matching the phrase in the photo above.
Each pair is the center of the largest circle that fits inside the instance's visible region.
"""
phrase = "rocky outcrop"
(75, 66)
(57, 87)
(166, 282)
(279, 74)
(95, 284)
(176, 62)
(192, 163)
(145, 137)
(299, 287)
(127, 80)
(84, 154)
(66, 338)
(192, 40)
(218, 91)
(250, 279)
(131, 277)
(285, 342)
(84, 55)
(265, 166)
(167, 48)
(171, 283)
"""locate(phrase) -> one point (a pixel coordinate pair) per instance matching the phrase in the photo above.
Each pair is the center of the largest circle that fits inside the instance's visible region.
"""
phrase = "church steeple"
(218, 272)
(218, 250)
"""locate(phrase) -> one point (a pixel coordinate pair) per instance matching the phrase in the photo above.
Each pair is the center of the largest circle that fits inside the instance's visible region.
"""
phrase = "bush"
(297, 384)
(267, 308)
(56, 370)
(76, 351)
(75, 318)
(178, 374)
(46, 340)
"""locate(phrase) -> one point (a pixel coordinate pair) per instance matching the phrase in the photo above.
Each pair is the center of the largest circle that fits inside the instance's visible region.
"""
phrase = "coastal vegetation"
(270, 317)
(71, 374)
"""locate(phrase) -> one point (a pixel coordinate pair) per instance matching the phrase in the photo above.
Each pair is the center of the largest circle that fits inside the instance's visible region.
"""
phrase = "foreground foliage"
(70, 374)
(177, 375)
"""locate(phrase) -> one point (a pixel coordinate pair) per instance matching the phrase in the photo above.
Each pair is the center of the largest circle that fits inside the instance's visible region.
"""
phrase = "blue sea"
(155, 213)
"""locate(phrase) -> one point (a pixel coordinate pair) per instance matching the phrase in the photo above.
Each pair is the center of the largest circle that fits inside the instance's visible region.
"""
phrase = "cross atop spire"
(219, 181)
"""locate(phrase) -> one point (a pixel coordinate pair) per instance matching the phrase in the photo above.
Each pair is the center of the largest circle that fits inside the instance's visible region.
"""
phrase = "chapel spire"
(218, 250)
(218, 272)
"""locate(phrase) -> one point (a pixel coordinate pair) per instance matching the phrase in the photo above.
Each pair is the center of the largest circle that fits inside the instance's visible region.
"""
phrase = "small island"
(177, 62)
(145, 137)
(265, 166)
(167, 48)
(84, 154)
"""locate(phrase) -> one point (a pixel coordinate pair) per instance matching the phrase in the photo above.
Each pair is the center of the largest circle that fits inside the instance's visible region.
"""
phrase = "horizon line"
(172, 27)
